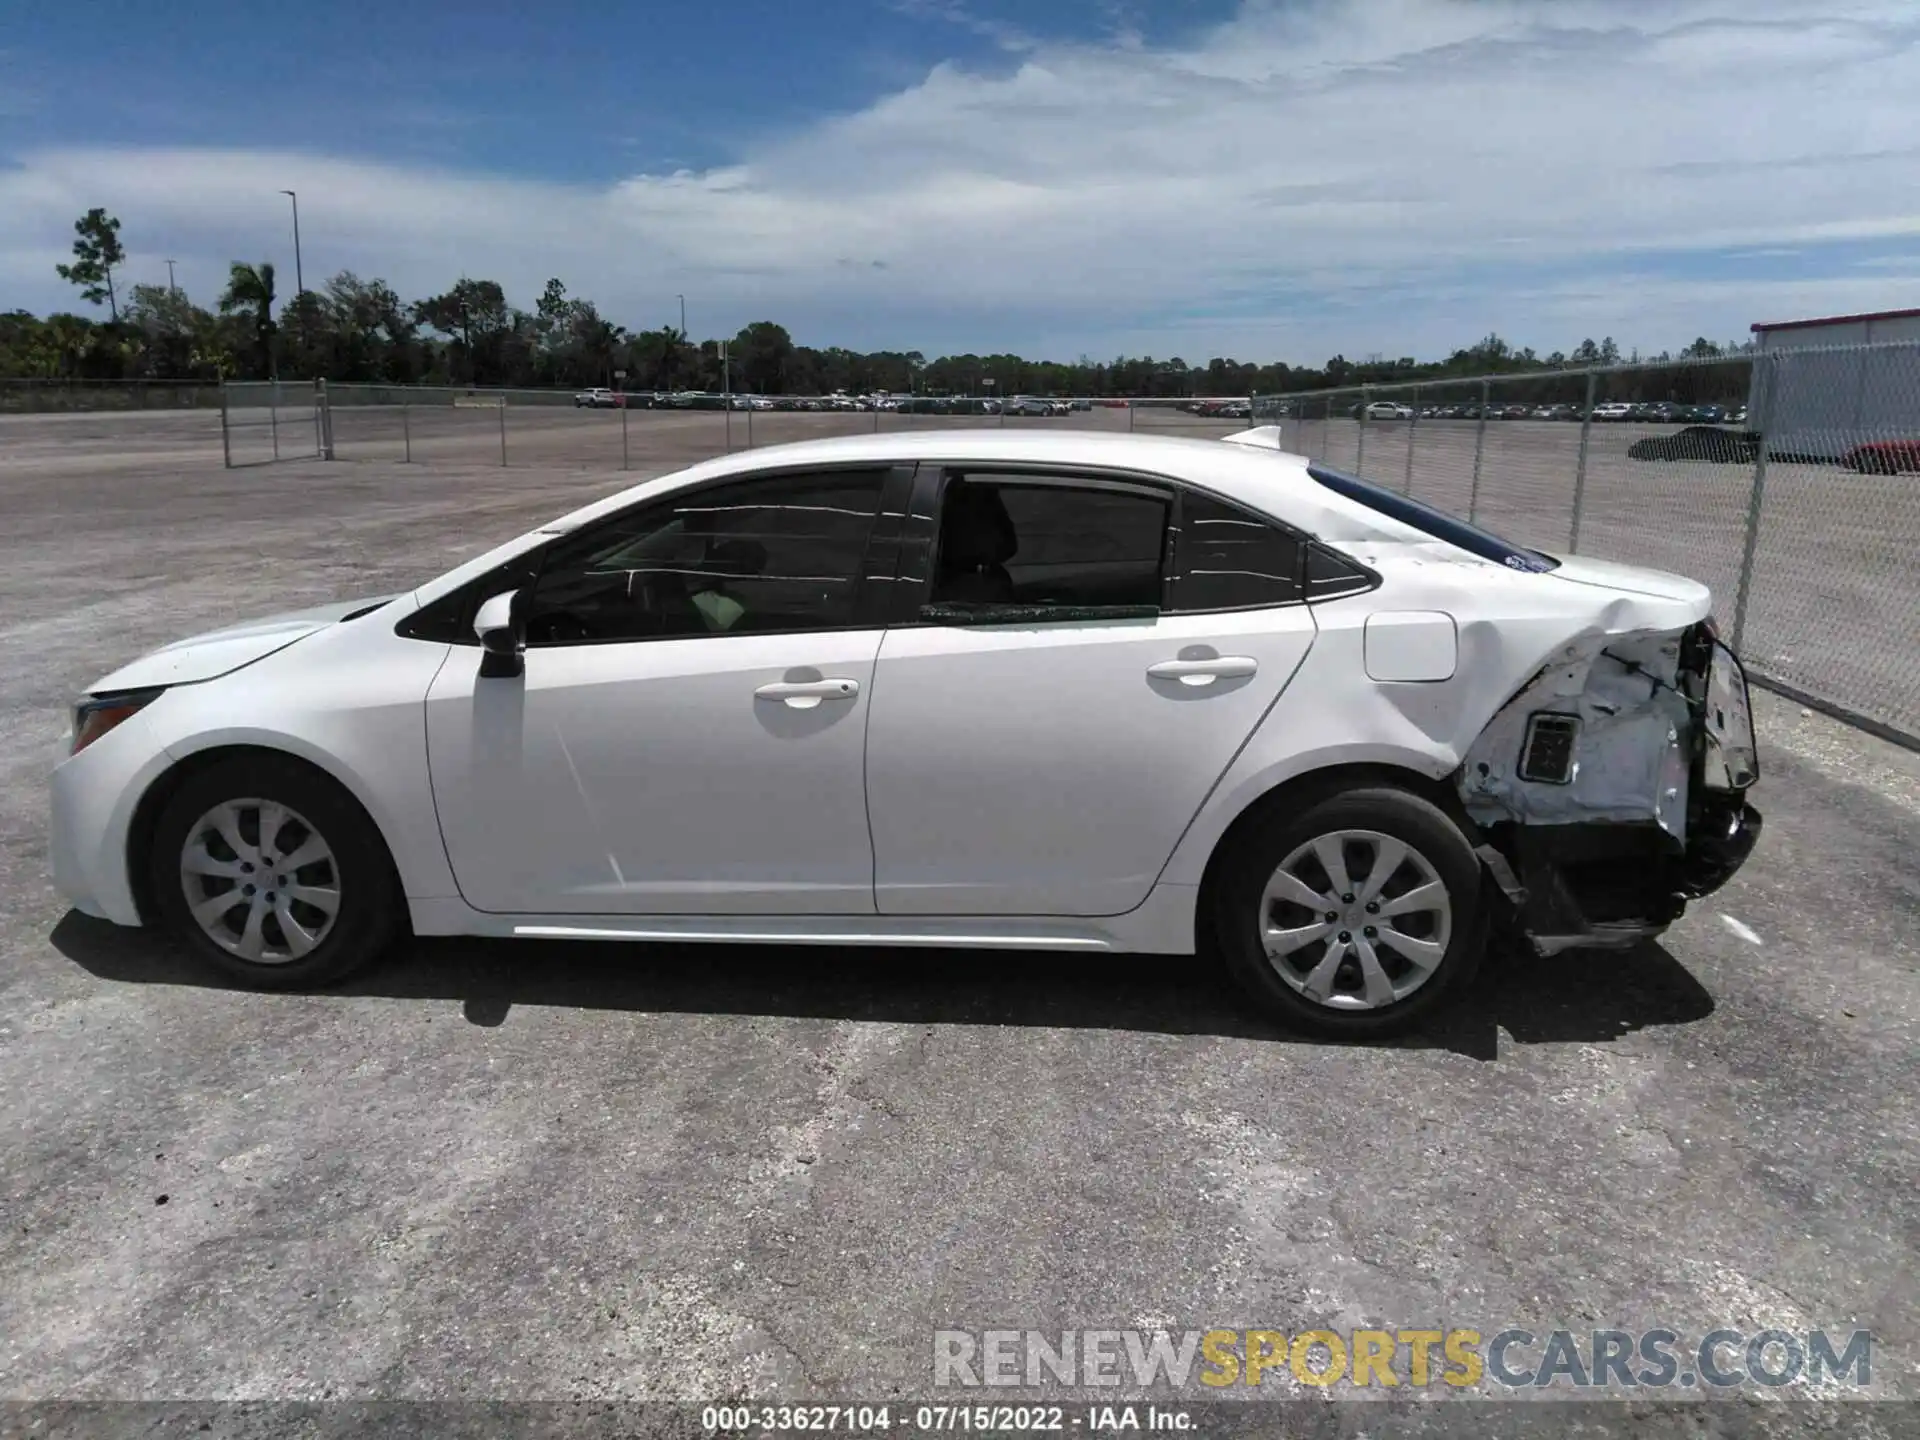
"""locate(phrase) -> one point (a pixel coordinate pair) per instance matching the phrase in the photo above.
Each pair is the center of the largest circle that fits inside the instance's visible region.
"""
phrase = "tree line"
(350, 329)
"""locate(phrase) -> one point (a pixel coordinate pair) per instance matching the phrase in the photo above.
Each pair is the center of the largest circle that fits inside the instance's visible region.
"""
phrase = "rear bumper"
(1718, 847)
(1607, 886)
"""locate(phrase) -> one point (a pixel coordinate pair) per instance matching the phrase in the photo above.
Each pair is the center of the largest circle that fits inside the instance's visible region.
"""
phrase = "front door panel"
(653, 778)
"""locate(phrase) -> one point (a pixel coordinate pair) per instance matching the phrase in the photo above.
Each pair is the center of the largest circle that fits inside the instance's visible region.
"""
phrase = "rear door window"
(1008, 540)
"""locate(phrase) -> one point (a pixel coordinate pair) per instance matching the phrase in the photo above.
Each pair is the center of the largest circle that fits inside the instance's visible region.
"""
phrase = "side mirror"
(503, 645)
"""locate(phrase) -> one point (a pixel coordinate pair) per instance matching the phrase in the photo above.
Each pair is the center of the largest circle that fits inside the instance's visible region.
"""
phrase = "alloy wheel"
(1355, 920)
(260, 880)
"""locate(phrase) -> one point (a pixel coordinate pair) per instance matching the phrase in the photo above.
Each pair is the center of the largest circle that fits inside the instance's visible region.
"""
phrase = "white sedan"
(1069, 691)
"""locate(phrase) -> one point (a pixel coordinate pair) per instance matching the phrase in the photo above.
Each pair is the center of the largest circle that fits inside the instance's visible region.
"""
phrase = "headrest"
(976, 530)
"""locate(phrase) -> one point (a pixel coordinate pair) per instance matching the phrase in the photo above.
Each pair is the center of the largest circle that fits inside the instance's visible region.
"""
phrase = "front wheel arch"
(153, 803)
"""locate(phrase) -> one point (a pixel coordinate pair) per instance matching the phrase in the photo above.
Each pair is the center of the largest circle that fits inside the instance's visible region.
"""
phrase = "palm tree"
(250, 287)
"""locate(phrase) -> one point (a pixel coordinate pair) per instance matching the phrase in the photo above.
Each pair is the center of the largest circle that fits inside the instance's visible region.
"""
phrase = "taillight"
(96, 715)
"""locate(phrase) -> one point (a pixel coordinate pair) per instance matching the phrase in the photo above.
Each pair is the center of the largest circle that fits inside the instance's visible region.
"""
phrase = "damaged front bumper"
(1612, 789)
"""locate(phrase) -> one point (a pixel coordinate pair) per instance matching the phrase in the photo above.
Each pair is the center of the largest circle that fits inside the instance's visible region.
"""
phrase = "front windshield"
(1434, 522)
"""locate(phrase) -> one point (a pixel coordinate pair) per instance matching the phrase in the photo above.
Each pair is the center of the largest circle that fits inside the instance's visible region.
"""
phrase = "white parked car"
(1389, 410)
(1013, 689)
(599, 398)
(1613, 410)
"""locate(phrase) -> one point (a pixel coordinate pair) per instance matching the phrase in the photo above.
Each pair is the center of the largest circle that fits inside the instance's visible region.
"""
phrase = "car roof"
(1262, 478)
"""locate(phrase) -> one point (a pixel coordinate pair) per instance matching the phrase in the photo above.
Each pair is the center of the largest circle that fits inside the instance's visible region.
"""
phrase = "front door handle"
(1205, 672)
(805, 694)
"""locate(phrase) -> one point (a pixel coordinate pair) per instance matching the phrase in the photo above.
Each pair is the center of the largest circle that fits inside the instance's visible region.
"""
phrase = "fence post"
(1580, 465)
(503, 429)
(1360, 448)
(623, 431)
(273, 416)
(1129, 417)
(1326, 427)
(1479, 448)
(1769, 380)
(876, 420)
(1413, 429)
(406, 428)
(750, 410)
(226, 436)
(325, 412)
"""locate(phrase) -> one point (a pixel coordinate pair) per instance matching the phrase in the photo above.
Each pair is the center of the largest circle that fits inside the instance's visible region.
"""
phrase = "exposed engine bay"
(1611, 789)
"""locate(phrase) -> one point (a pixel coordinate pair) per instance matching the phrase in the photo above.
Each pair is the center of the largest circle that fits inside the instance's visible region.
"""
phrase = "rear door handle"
(805, 694)
(1205, 672)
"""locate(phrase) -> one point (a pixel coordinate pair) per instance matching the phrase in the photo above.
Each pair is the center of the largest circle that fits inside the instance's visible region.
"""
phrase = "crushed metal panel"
(1630, 762)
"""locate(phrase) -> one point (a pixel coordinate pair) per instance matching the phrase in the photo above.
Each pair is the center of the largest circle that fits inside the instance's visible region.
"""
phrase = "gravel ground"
(540, 1172)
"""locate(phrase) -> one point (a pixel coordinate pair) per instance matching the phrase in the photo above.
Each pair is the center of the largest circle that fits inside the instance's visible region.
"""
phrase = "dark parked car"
(1884, 457)
(1697, 442)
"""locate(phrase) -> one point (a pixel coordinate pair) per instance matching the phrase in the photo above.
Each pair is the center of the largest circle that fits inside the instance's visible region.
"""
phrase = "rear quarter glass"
(1436, 523)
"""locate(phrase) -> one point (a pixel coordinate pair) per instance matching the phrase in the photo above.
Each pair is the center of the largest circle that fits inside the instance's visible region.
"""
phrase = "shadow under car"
(1580, 996)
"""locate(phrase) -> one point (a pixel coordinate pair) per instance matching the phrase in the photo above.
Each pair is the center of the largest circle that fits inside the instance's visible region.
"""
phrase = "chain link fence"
(263, 421)
(1789, 482)
(421, 424)
(35, 396)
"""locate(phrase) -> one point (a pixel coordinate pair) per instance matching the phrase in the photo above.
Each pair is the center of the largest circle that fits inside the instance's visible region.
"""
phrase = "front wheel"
(1356, 916)
(273, 872)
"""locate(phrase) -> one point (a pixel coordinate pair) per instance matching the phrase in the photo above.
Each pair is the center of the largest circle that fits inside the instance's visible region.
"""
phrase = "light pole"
(299, 279)
(299, 283)
(175, 289)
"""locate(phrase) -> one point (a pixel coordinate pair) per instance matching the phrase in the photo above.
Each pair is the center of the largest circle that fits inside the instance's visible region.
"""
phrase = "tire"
(1437, 852)
(299, 942)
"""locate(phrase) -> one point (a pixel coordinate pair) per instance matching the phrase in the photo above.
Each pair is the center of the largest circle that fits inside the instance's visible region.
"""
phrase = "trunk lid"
(1633, 580)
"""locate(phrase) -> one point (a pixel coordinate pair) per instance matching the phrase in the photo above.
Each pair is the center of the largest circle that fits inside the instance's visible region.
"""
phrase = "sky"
(1257, 179)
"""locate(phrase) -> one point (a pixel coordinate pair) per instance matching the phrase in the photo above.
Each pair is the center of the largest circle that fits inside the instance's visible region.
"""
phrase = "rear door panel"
(1040, 770)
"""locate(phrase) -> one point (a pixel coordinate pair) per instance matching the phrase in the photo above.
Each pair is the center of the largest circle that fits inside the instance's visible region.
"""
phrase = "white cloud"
(1387, 175)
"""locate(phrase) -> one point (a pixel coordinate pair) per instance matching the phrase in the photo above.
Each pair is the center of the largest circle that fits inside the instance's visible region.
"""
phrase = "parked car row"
(601, 398)
(1652, 412)
(1659, 413)
(1662, 412)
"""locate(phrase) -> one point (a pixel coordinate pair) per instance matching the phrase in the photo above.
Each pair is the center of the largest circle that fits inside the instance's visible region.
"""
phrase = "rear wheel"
(270, 870)
(1355, 916)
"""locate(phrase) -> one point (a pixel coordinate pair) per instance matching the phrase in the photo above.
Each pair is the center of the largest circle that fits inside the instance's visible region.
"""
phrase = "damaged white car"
(1062, 691)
